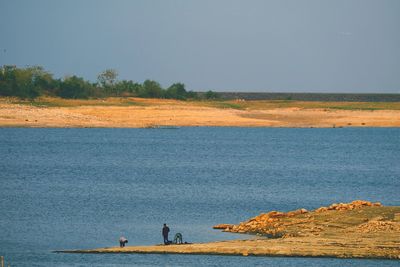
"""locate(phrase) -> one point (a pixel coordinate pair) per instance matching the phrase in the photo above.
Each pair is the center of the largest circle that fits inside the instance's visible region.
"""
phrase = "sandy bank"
(290, 247)
(142, 113)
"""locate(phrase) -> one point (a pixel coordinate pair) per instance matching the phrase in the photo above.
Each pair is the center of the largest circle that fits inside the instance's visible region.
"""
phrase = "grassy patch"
(356, 108)
(218, 104)
(272, 104)
(228, 105)
(222, 104)
(36, 103)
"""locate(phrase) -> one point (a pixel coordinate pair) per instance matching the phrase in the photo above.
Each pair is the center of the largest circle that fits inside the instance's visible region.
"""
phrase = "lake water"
(84, 188)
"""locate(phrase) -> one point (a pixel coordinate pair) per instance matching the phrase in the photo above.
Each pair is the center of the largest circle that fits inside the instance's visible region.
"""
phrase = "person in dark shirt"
(165, 232)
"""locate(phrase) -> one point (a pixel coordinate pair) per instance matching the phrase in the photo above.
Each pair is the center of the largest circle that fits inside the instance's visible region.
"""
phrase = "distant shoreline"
(160, 113)
(338, 97)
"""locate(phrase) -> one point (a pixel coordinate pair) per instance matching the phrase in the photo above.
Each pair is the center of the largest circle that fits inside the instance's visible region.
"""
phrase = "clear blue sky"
(222, 45)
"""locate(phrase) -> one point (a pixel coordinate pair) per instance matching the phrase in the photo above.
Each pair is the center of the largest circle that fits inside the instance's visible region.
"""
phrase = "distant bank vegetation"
(32, 82)
(35, 81)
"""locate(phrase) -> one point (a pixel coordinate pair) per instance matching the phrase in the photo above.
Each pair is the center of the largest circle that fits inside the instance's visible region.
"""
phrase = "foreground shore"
(152, 113)
(290, 247)
(360, 229)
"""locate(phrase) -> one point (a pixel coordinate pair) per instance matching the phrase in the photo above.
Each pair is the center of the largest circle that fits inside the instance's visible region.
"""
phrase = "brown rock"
(361, 203)
(303, 211)
(272, 213)
(222, 226)
(295, 212)
(333, 206)
(277, 214)
(273, 222)
(321, 209)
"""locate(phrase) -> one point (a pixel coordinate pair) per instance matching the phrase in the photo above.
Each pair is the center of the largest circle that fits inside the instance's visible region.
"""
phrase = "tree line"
(35, 81)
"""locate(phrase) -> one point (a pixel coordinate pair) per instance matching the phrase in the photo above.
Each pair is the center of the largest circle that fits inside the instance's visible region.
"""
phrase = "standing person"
(165, 232)
(122, 241)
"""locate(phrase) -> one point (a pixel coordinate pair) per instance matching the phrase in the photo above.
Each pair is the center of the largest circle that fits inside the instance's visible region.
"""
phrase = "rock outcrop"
(293, 223)
(349, 206)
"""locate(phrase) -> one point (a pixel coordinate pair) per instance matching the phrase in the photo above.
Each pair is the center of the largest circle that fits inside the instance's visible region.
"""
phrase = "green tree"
(42, 79)
(24, 85)
(18, 82)
(192, 95)
(211, 95)
(33, 81)
(151, 89)
(75, 87)
(28, 82)
(7, 80)
(107, 78)
(126, 87)
(176, 91)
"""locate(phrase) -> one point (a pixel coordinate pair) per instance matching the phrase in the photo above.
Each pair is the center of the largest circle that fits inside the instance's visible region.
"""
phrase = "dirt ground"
(143, 113)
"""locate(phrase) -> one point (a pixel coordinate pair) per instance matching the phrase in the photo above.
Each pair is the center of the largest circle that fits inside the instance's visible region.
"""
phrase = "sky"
(335, 46)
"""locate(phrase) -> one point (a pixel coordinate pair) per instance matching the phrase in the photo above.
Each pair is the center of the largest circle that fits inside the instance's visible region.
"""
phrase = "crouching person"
(178, 238)
(122, 241)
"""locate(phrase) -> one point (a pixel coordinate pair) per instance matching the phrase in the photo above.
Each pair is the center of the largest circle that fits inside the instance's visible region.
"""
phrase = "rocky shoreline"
(360, 229)
(278, 224)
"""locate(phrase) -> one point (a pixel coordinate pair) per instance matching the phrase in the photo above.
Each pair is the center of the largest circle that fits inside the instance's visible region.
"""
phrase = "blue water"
(84, 188)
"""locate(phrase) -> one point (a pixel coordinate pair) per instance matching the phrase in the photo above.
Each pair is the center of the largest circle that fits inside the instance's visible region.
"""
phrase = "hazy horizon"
(343, 46)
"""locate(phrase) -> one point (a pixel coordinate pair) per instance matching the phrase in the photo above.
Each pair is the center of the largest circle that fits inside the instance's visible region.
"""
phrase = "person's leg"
(121, 244)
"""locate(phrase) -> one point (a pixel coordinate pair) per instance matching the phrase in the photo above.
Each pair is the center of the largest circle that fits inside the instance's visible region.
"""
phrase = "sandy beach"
(147, 113)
